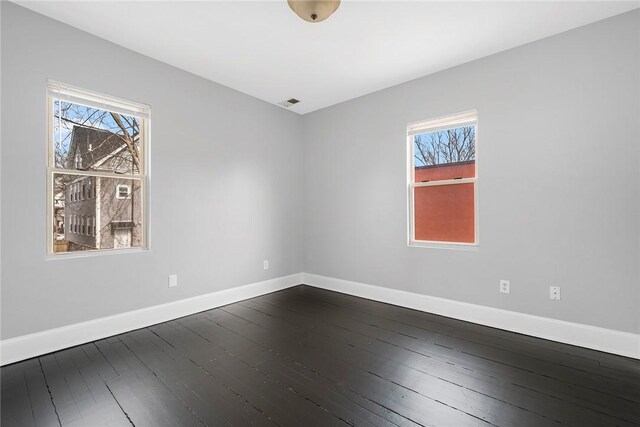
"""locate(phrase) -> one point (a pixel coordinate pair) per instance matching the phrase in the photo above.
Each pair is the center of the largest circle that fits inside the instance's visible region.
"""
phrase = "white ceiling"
(263, 49)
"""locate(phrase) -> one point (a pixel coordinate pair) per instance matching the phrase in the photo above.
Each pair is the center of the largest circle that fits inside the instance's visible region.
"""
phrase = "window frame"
(118, 187)
(449, 121)
(102, 101)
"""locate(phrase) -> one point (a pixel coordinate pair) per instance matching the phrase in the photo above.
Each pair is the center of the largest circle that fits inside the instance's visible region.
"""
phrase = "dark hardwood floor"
(309, 357)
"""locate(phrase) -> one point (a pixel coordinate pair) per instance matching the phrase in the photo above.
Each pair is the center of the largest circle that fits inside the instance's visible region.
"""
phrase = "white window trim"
(118, 187)
(109, 103)
(432, 125)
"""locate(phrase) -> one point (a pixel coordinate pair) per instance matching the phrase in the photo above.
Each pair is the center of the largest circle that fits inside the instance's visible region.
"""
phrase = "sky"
(444, 135)
(66, 113)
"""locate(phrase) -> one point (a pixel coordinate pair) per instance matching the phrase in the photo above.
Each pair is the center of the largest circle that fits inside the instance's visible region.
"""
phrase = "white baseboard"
(39, 343)
(593, 337)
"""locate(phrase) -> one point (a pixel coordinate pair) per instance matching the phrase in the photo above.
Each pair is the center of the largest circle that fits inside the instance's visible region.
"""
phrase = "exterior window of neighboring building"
(122, 191)
(97, 163)
(443, 181)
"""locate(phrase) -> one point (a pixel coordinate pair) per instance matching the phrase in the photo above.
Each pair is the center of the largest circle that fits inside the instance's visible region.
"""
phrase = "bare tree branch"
(441, 147)
(128, 139)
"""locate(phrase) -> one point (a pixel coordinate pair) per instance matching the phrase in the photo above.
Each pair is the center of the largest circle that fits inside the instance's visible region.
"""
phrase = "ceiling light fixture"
(314, 10)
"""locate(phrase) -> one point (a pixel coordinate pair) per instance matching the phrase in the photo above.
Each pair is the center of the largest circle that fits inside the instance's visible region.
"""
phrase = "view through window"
(97, 171)
(443, 178)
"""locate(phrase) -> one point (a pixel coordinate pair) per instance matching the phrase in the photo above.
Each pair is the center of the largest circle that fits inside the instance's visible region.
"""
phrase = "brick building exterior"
(445, 213)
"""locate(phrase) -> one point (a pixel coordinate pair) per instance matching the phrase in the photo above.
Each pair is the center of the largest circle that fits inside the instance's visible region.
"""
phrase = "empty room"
(301, 213)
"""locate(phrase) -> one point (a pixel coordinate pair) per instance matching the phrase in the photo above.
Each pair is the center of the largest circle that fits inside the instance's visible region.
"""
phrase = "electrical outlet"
(173, 280)
(554, 292)
(505, 286)
(265, 264)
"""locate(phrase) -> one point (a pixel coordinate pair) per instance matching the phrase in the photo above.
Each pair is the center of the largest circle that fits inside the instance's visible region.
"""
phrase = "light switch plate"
(173, 280)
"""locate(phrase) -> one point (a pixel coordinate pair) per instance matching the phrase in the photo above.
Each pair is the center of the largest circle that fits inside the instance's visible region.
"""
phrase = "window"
(122, 191)
(442, 181)
(97, 156)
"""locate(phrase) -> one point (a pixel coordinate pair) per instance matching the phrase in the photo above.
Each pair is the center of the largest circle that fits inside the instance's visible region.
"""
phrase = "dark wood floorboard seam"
(300, 363)
(597, 357)
(412, 390)
(118, 403)
(460, 338)
(280, 355)
(186, 405)
(274, 380)
(310, 357)
(46, 383)
(583, 406)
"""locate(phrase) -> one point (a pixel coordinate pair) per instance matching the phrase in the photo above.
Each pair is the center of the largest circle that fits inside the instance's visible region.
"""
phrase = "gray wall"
(226, 182)
(559, 180)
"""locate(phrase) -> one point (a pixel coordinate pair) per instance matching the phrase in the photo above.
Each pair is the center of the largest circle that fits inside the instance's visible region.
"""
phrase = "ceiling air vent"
(288, 103)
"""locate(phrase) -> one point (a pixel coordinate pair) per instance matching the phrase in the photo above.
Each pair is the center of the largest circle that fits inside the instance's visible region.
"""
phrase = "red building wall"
(445, 213)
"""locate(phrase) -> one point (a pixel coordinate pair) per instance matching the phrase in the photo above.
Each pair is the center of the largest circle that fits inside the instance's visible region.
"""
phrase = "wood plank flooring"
(310, 357)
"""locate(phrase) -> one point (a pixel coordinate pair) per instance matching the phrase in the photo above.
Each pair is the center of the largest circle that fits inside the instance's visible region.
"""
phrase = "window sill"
(444, 245)
(93, 253)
